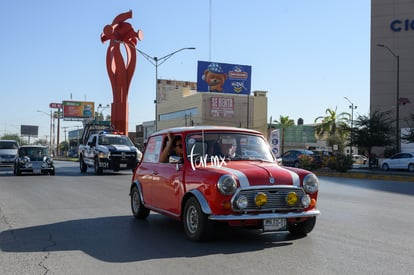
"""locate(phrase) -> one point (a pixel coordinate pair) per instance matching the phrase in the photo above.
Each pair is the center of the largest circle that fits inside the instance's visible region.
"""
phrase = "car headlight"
(310, 183)
(227, 185)
(104, 154)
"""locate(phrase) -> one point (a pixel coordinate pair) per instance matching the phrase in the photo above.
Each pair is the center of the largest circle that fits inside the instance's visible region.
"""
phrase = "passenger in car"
(174, 147)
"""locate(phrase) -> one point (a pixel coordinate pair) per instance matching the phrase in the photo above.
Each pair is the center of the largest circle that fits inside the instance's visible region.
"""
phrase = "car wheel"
(385, 167)
(52, 173)
(303, 228)
(411, 167)
(138, 209)
(197, 226)
(82, 165)
(98, 170)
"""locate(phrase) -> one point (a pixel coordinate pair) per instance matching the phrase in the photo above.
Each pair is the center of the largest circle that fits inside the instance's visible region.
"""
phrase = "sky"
(308, 55)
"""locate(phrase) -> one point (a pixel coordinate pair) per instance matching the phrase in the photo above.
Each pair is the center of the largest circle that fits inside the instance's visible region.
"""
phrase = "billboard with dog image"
(223, 78)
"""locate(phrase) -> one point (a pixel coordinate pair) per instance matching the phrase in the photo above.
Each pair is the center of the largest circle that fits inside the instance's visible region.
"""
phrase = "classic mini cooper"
(224, 175)
(33, 159)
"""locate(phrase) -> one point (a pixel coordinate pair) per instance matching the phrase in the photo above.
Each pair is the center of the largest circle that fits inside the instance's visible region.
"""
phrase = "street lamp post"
(157, 62)
(397, 103)
(51, 126)
(352, 107)
(102, 108)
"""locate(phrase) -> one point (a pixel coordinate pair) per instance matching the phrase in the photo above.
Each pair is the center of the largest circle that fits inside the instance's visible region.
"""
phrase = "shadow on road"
(125, 239)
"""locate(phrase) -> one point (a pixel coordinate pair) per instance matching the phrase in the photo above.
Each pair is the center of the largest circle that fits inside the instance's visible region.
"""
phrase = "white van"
(8, 152)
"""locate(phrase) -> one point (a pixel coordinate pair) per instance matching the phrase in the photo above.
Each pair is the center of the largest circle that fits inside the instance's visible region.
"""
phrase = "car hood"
(122, 148)
(251, 173)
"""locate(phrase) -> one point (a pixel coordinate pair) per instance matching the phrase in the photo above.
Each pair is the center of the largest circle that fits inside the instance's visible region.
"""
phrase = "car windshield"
(115, 140)
(34, 153)
(8, 145)
(233, 146)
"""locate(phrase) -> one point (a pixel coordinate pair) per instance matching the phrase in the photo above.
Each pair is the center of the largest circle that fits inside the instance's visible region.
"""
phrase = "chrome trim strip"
(307, 214)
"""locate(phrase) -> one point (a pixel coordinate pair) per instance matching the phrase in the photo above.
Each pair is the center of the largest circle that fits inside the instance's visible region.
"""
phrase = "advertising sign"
(78, 109)
(29, 130)
(223, 78)
(275, 142)
(222, 107)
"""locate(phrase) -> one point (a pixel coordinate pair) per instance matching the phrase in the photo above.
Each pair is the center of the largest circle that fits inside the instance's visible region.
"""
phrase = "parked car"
(34, 159)
(291, 157)
(359, 159)
(219, 180)
(8, 152)
(403, 161)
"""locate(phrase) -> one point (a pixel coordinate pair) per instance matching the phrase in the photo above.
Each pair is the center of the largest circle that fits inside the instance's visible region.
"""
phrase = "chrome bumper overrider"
(261, 216)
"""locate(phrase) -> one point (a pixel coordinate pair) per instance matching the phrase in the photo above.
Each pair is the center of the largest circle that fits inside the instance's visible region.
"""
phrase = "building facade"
(392, 59)
(180, 104)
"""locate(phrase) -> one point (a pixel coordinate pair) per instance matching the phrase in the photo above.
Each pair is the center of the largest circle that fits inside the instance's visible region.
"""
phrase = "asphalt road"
(75, 223)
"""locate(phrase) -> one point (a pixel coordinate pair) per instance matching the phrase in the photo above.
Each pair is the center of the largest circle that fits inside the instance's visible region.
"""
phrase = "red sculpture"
(120, 71)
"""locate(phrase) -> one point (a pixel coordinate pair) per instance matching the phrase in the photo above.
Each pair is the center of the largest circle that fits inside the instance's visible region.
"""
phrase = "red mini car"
(225, 175)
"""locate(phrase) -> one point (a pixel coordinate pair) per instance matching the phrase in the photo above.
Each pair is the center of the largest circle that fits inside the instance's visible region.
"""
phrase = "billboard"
(78, 109)
(223, 78)
(29, 130)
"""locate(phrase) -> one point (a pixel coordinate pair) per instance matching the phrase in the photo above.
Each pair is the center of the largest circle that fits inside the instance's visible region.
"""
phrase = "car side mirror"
(175, 159)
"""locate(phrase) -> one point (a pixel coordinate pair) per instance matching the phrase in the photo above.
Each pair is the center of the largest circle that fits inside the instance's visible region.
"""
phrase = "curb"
(371, 176)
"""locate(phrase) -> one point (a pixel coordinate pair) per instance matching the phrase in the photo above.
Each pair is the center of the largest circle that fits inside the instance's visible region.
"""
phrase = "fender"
(138, 185)
(202, 200)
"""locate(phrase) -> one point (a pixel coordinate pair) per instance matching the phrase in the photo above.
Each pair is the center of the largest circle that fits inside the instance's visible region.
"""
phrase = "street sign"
(56, 105)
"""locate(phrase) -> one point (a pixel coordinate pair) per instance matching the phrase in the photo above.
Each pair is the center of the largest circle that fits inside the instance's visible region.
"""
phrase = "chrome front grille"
(276, 198)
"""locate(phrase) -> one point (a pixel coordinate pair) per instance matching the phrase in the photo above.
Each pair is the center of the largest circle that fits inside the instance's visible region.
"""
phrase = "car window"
(153, 149)
(232, 145)
(8, 145)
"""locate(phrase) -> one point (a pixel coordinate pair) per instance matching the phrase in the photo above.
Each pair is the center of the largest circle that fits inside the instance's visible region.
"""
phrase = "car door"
(168, 189)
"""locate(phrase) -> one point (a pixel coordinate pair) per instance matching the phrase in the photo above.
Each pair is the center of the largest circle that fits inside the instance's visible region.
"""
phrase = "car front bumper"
(262, 216)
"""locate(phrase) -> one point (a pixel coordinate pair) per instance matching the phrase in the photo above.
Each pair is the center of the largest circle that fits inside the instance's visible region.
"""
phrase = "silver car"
(399, 161)
(8, 152)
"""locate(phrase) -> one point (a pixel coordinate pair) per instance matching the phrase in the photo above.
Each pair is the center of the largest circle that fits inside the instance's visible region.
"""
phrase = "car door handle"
(155, 172)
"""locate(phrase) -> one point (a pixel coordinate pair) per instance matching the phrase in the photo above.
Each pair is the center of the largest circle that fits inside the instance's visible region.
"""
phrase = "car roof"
(33, 146)
(176, 130)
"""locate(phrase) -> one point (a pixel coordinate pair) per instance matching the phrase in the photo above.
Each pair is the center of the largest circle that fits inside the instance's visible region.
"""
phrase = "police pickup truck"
(108, 150)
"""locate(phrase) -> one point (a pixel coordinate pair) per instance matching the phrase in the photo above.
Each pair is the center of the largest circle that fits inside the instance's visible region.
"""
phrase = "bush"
(340, 163)
(308, 162)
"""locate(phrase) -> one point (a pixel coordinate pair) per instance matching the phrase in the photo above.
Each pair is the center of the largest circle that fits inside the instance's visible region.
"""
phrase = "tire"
(138, 209)
(83, 167)
(385, 167)
(303, 228)
(411, 167)
(98, 170)
(197, 226)
(52, 173)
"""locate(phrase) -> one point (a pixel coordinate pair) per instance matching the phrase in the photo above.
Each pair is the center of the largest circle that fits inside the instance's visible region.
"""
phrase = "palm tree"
(283, 123)
(333, 125)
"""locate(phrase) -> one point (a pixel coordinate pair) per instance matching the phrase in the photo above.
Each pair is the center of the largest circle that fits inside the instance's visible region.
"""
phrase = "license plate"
(123, 165)
(274, 224)
(36, 171)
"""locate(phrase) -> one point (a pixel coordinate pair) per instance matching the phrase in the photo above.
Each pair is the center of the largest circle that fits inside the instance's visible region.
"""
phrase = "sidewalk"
(363, 172)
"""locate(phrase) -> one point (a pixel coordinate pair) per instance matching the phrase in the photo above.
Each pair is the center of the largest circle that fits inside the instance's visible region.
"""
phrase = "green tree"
(333, 127)
(409, 137)
(374, 130)
(283, 123)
